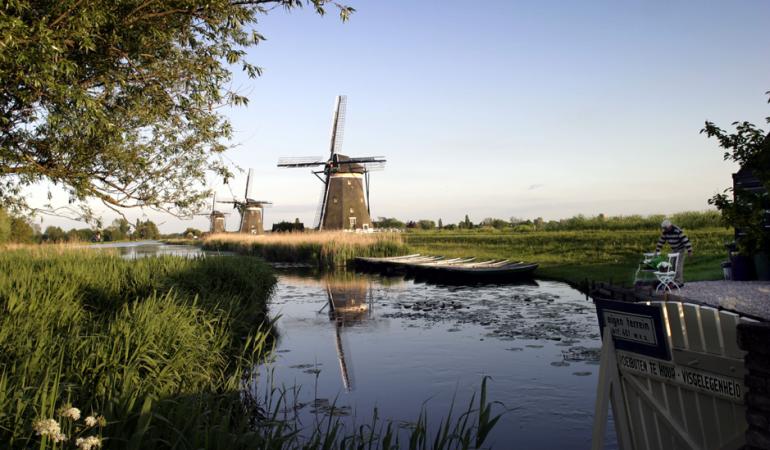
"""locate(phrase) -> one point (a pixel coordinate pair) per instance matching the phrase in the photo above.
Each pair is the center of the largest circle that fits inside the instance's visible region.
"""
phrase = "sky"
(500, 108)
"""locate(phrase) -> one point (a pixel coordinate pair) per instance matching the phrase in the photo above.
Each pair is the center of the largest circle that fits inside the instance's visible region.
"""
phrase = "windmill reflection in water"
(349, 302)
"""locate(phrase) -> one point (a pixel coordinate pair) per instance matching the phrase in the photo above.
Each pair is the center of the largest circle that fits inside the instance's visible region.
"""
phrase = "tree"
(440, 224)
(118, 231)
(192, 233)
(117, 99)
(388, 222)
(495, 223)
(54, 234)
(146, 230)
(426, 224)
(21, 230)
(749, 146)
(467, 224)
(288, 227)
(5, 226)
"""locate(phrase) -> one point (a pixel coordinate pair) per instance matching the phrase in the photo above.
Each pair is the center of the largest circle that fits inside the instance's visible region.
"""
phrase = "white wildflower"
(91, 421)
(47, 427)
(70, 412)
(59, 437)
(89, 443)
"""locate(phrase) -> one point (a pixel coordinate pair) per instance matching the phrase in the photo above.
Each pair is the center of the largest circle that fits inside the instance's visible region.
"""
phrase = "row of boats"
(450, 269)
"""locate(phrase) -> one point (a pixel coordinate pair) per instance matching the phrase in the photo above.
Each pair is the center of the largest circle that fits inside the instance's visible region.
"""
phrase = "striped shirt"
(675, 238)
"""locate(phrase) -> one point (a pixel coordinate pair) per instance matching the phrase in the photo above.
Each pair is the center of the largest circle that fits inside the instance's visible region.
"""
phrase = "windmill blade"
(321, 211)
(364, 159)
(302, 161)
(214, 201)
(261, 202)
(338, 124)
(249, 179)
(372, 167)
(370, 163)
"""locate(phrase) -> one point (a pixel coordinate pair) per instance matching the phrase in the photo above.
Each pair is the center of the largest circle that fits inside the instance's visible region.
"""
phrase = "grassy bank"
(326, 249)
(155, 353)
(575, 256)
(157, 346)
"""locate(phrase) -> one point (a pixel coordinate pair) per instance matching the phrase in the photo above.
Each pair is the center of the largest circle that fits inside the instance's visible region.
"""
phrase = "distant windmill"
(216, 218)
(344, 201)
(252, 211)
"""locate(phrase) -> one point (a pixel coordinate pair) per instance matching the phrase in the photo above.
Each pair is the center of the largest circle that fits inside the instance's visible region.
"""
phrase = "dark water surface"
(362, 342)
(398, 345)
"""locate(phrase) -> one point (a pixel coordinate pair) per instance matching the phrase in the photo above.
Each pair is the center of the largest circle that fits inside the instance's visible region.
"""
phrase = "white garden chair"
(666, 277)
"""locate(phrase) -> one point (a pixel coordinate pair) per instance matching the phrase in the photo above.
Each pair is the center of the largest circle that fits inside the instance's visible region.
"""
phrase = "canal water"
(360, 342)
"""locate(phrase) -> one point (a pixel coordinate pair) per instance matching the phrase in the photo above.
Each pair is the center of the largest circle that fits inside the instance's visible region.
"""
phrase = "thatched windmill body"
(344, 203)
(251, 211)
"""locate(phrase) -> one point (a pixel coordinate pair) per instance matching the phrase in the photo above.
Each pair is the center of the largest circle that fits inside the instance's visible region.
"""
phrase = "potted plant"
(746, 212)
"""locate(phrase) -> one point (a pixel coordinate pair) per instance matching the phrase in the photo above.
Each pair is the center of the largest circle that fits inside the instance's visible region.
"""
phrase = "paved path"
(747, 297)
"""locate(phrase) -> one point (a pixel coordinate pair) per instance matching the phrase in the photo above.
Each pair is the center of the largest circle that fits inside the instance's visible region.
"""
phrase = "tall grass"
(162, 347)
(158, 346)
(326, 249)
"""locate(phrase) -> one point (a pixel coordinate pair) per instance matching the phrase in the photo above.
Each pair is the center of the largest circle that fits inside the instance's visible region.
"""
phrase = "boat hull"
(445, 271)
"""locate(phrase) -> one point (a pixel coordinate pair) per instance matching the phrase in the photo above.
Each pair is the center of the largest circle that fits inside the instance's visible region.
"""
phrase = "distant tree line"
(19, 229)
(688, 220)
(288, 227)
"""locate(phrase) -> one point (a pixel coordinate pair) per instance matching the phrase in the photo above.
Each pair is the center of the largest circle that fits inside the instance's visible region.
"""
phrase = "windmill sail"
(302, 161)
(249, 177)
(338, 125)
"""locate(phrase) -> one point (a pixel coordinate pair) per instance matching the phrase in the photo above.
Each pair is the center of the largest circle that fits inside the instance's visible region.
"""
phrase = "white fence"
(673, 373)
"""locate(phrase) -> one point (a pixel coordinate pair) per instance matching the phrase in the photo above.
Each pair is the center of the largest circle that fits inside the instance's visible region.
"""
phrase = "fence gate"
(674, 374)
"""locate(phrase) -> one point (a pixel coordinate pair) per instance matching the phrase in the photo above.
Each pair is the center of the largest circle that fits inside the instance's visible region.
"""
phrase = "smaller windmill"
(252, 211)
(216, 218)
(344, 203)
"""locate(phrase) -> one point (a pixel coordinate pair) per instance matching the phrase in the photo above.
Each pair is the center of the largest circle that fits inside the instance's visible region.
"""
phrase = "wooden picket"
(652, 412)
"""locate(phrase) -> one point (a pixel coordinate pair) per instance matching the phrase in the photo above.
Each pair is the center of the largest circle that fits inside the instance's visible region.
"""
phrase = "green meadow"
(577, 255)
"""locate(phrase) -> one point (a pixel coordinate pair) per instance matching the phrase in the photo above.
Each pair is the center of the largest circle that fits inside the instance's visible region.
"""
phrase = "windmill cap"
(665, 224)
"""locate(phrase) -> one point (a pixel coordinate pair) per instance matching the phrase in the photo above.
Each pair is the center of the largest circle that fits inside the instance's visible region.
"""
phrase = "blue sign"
(634, 327)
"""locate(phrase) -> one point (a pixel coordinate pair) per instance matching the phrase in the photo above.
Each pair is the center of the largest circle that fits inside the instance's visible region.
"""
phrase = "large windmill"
(252, 211)
(344, 201)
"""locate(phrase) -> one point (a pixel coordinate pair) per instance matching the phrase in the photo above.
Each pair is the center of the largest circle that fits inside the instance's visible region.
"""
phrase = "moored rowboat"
(437, 267)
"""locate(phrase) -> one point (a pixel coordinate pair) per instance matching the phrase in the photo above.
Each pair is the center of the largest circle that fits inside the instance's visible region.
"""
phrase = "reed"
(158, 346)
(326, 249)
(163, 349)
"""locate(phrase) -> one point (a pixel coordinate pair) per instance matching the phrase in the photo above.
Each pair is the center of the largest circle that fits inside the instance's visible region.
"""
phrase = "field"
(327, 249)
(155, 353)
(575, 256)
